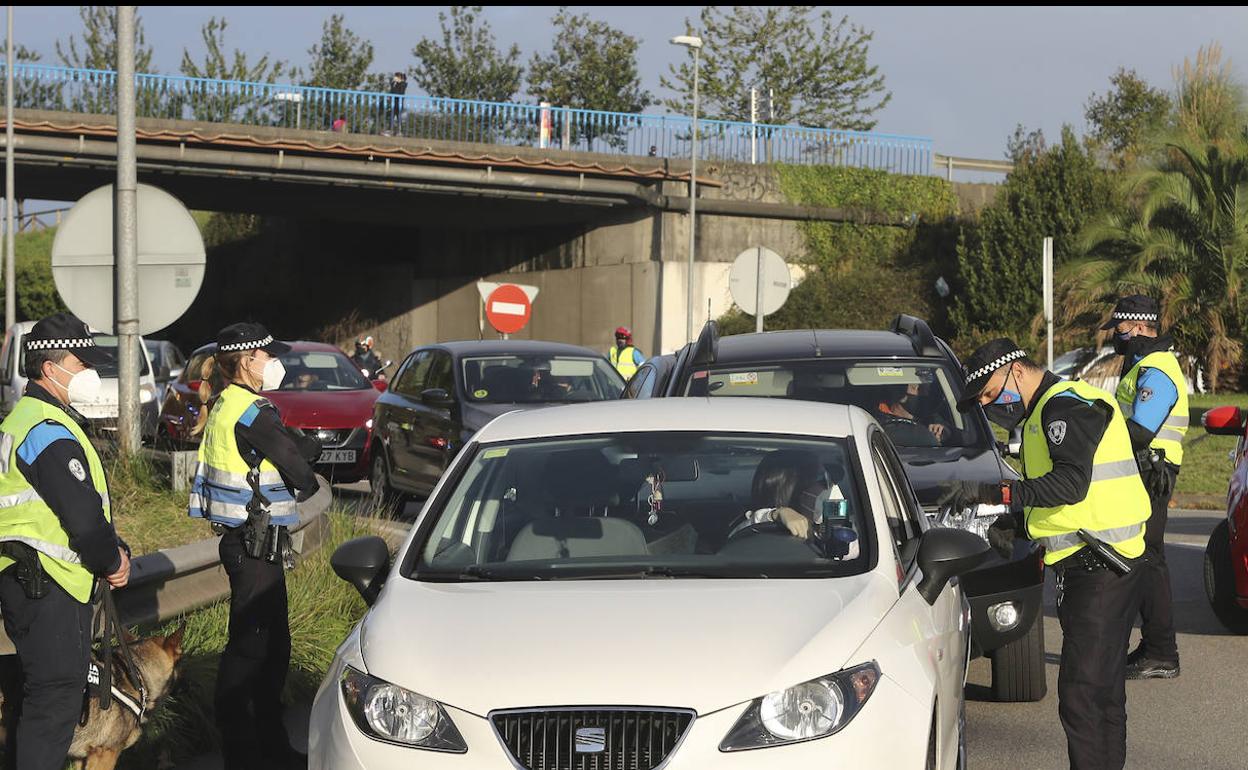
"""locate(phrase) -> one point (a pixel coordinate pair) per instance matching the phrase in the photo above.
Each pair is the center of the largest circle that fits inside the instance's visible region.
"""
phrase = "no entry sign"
(508, 308)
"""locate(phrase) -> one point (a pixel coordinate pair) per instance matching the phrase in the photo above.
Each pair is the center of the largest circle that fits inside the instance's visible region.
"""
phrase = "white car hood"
(105, 402)
(683, 643)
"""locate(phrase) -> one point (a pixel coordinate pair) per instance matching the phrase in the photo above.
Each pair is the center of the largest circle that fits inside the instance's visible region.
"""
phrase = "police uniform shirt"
(1155, 396)
(261, 435)
(52, 460)
(1073, 429)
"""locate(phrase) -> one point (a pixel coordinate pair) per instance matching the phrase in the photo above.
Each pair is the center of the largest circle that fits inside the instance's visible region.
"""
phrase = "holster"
(27, 569)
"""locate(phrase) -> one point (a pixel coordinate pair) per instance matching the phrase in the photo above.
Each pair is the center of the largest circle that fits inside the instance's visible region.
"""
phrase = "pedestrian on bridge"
(1152, 393)
(624, 357)
(398, 87)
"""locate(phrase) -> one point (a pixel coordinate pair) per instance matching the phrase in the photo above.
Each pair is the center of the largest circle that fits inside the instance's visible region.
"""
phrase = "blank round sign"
(743, 281)
(170, 251)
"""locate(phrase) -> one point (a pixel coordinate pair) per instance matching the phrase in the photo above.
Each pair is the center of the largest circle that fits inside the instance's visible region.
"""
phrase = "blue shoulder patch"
(40, 438)
(250, 415)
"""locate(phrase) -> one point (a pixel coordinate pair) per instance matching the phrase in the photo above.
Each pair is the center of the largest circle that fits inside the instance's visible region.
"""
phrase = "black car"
(442, 394)
(910, 381)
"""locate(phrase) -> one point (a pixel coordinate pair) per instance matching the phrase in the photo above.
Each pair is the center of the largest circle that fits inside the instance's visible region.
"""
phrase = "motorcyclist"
(366, 358)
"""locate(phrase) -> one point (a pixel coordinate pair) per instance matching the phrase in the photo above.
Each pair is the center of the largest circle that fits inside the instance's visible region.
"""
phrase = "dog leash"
(108, 624)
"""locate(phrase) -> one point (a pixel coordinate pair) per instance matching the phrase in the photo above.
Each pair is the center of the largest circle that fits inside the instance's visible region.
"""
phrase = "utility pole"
(10, 238)
(125, 246)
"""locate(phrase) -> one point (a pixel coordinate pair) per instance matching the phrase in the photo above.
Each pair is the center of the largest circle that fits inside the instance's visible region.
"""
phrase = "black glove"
(309, 448)
(305, 494)
(1001, 536)
(1155, 473)
(963, 494)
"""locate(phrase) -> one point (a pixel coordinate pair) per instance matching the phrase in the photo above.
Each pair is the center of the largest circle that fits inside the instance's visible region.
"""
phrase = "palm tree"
(1183, 240)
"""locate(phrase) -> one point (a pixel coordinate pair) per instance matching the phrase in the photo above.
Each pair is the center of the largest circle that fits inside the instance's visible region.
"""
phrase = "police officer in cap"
(1079, 474)
(252, 471)
(57, 537)
(1152, 393)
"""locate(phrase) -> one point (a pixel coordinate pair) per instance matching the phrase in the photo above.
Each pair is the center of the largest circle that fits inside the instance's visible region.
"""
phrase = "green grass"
(1206, 463)
(146, 512)
(323, 608)
(1210, 400)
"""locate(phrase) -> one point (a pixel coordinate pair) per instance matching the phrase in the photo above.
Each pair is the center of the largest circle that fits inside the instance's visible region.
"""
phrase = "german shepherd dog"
(106, 734)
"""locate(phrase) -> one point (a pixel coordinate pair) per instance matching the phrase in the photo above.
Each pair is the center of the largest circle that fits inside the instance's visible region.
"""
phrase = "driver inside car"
(786, 484)
(901, 401)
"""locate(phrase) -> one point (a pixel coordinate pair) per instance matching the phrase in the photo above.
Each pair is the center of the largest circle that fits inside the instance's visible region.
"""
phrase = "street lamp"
(694, 43)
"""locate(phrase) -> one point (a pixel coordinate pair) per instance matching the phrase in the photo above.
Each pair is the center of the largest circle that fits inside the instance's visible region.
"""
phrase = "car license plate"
(336, 456)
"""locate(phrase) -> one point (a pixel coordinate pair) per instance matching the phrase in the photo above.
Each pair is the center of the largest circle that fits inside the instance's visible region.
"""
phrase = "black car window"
(638, 381)
(901, 523)
(412, 379)
(440, 373)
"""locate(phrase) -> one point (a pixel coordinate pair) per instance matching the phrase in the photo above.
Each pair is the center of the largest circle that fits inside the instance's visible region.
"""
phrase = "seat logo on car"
(591, 740)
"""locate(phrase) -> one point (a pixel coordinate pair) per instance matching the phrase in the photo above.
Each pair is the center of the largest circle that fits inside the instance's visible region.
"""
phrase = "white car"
(583, 590)
(102, 412)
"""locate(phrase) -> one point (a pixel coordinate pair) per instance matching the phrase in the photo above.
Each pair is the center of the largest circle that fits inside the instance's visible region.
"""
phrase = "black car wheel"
(383, 500)
(1018, 667)
(1220, 581)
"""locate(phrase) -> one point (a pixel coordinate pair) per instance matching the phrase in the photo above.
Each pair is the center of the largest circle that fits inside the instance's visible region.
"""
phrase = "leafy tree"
(813, 69)
(1184, 241)
(467, 64)
(98, 51)
(209, 103)
(592, 66)
(1054, 193)
(341, 59)
(32, 93)
(1024, 145)
(1128, 113)
(1211, 105)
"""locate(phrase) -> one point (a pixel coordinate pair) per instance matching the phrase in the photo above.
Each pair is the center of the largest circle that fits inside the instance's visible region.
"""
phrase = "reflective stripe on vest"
(25, 517)
(1170, 436)
(1116, 505)
(220, 491)
(624, 361)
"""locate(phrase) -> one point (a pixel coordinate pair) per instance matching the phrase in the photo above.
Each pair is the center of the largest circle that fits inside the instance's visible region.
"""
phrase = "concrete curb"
(175, 581)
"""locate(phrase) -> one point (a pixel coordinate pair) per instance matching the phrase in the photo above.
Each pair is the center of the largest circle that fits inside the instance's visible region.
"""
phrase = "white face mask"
(84, 386)
(274, 373)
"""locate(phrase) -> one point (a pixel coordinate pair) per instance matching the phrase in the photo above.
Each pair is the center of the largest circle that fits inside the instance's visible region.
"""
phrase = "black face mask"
(1122, 343)
(1007, 409)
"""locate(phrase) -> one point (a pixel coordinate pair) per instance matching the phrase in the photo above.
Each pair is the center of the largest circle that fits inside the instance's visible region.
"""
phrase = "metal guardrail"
(174, 581)
(46, 87)
(949, 163)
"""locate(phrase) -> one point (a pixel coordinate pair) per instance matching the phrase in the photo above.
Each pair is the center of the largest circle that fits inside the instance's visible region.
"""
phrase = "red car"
(323, 395)
(1226, 556)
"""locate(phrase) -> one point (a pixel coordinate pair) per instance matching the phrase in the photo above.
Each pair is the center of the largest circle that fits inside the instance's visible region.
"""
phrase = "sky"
(962, 76)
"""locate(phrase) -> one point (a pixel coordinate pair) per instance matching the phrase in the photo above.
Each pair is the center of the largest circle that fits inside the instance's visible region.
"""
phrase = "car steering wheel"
(909, 425)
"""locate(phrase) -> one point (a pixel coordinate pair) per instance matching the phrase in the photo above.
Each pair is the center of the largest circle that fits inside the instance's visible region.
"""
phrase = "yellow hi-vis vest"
(25, 517)
(1116, 505)
(220, 492)
(1170, 436)
(624, 361)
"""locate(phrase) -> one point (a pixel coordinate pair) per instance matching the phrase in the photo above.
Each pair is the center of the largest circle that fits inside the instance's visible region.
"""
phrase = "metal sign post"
(10, 269)
(760, 282)
(125, 235)
(1047, 267)
(758, 286)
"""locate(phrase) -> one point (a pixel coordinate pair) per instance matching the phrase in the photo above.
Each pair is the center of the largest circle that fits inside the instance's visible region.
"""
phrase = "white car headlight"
(389, 713)
(146, 395)
(804, 712)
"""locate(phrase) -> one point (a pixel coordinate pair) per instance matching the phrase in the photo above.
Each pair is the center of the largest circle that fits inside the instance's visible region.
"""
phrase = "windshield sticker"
(482, 393)
(890, 371)
(491, 454)
(743, 378)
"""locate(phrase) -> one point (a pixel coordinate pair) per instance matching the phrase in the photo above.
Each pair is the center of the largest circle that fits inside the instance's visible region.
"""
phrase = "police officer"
(252, 471)
(57, 537)
(1152, 393)
(624, 357)
(1079, 473)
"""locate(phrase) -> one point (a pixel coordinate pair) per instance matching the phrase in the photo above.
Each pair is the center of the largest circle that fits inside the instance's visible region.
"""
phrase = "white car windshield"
(108, 343)
(637, 505)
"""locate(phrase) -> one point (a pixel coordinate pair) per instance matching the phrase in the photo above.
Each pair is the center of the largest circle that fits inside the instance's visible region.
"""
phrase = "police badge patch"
(76, 468)
(1146, 394)
(1057, 431)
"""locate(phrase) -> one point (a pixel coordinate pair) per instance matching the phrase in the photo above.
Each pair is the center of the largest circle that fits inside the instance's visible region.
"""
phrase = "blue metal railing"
(39, 86)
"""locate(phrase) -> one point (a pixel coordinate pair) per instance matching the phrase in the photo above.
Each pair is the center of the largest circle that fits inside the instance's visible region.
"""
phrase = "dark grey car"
(442, 394)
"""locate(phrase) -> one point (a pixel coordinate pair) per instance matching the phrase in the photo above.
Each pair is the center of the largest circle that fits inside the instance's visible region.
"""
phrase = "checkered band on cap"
(252, 345)
(987, 369)
(76, 343)
(1134, 317)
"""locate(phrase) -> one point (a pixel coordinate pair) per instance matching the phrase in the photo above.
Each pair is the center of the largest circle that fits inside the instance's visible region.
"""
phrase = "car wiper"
(472, 573)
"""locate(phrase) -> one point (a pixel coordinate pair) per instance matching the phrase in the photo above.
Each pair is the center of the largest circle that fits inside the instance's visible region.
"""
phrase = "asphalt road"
(1194, 721)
